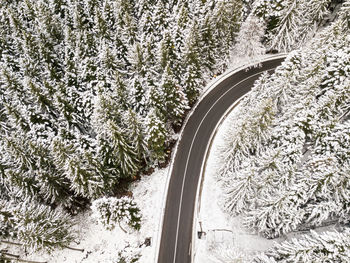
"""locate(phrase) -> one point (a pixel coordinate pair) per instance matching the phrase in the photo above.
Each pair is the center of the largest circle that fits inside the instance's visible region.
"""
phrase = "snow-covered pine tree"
(156, 136)
(180, 30)
(160, 19)
(122, 98)
(328, 187)
(253, 131)
(173, 100)
(249, 40)
(207, 42)
(317, 247)
(114, 150)
(278, 213)
(167, 54)
(291, 23)
(123, 153)
(36, 227)
(241, 191)
(139, 85)
(192, 79)
(286, 33)
(19, 165)
(86, 175)
(135, 130)
(226, 19)
(54, 186)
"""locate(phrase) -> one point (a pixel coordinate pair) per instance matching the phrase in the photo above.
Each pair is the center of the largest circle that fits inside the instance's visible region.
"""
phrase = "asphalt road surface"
(176, 237)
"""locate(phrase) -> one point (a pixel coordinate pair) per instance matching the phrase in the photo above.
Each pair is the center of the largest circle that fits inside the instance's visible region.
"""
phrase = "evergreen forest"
(91, 95)
(287, 159)
(94, 92)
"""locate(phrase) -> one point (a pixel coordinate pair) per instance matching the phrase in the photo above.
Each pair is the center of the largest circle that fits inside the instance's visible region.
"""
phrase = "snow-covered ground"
(226, 238)
(103, 246)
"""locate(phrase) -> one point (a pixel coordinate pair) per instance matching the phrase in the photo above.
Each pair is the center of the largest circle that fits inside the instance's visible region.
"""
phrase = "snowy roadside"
(103, 246)
(225, 238)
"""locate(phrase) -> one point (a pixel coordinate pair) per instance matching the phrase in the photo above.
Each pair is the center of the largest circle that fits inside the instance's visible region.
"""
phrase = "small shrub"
(112, 211)
(128, 255)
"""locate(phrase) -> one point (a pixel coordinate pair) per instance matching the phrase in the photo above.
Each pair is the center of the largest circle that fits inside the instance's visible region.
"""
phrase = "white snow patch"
(226, 238)
(101, 245)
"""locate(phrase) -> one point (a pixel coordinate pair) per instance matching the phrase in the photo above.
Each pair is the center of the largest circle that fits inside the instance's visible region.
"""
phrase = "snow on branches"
(112, 211)
(317, 247)
(287, 158)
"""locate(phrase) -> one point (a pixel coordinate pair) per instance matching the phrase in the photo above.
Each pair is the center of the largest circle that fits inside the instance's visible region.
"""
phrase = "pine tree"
(249, 40)
(291, 23)
(207, 43)
(137, 135)
(54, 187)
(226, 19)
(156, 137)
(182, 26)
(139, 81)
(160, 19)
(122, 153)
(114, 150)
(126, 23)
(19, 166)
(37, 227)
(192, 79)
(277, 214)
(317, 247)
(167, 54)
(122, 96)
(241, 191)
(173, 101)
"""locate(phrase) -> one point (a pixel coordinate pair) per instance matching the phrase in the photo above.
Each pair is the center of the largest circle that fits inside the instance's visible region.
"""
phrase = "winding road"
(176, 238)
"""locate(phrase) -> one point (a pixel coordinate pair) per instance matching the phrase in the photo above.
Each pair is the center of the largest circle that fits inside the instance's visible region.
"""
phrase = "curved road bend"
(176, 237)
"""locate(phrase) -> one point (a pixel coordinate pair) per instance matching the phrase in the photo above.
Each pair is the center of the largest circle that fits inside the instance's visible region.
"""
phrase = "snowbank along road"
(176, 238)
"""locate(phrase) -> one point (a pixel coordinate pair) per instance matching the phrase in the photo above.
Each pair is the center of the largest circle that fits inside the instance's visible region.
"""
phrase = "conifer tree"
(173, 100)
(168, 56)
(291, 23)
(160, 19)
(156, 136)
(122, 153)
(182, 26)
(19, 166)
(86, 177)
(317, 247)
(137, 135)
(226, 21)
(114, 150)
(192, 79)
(241, 191)
(249, 40)
(35, 226)
(139, 83)
(207, 43)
